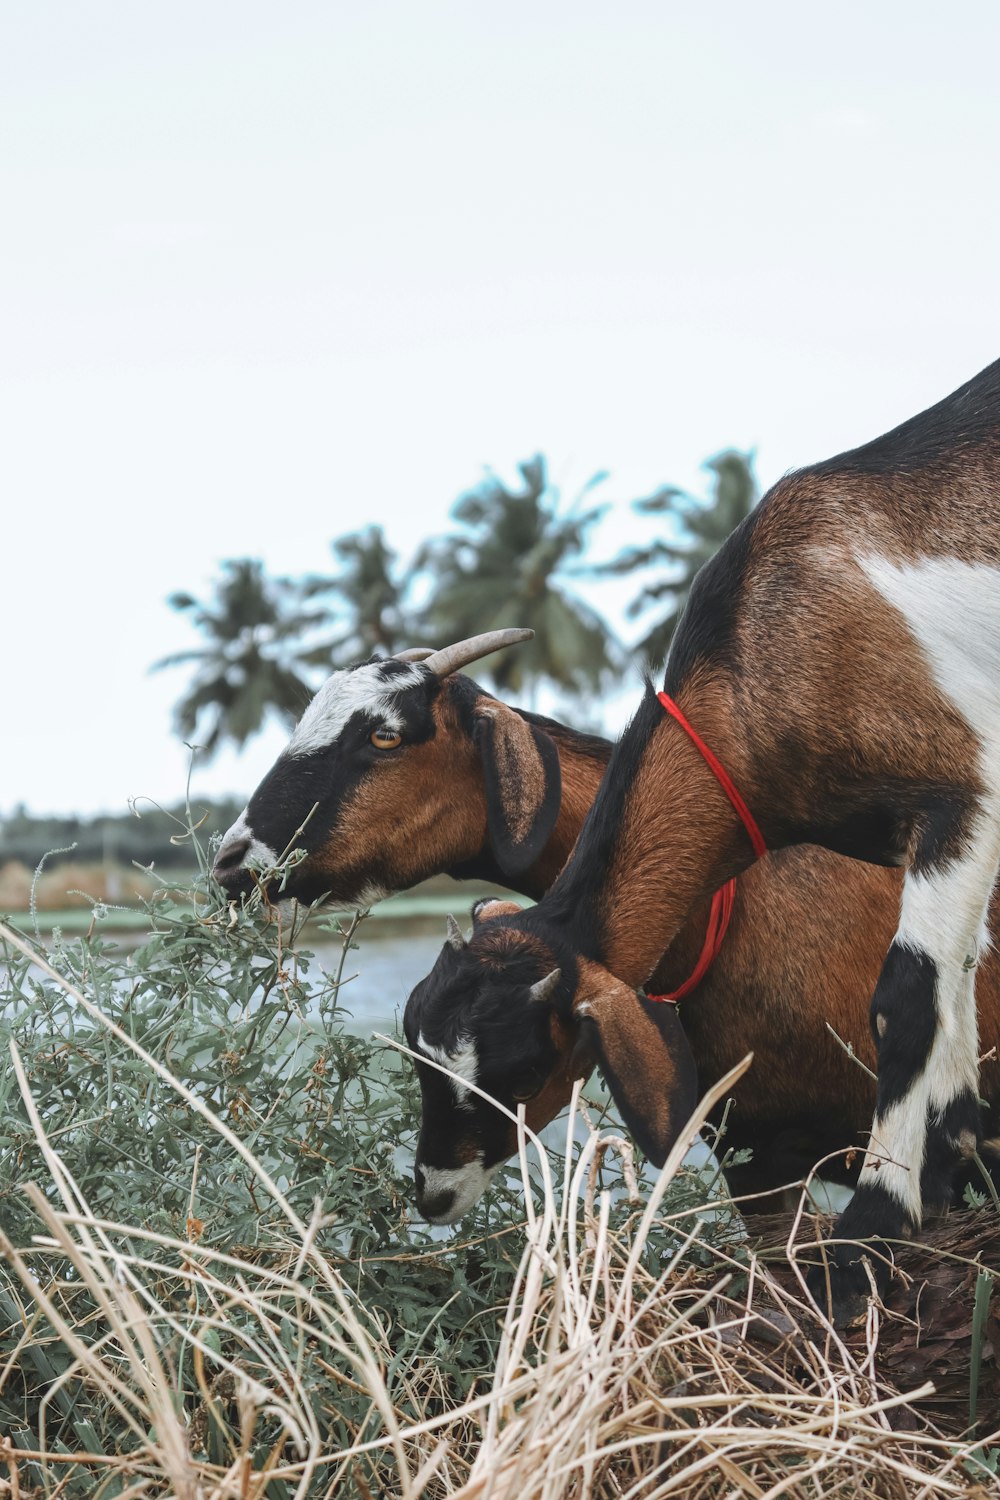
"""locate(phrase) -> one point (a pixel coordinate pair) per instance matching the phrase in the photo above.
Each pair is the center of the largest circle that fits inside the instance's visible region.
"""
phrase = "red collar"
(724, 899)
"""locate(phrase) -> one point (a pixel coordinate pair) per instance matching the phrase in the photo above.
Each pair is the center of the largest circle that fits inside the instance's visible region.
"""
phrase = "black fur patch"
(575, 901)
(904, 1000)
(968, 417)
(942, 829)
(329, 777)
(872, 1214)
(282, 802)
(888, 822)
(942, 1154)
(465, 997)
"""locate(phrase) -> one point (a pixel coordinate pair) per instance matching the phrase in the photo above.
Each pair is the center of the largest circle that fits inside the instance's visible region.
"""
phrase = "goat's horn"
(463, 653)
(543, 989)
(455, 938)
(414, 653)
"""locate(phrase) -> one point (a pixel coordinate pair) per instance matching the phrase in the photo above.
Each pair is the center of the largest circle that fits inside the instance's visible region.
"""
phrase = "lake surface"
(378, 976)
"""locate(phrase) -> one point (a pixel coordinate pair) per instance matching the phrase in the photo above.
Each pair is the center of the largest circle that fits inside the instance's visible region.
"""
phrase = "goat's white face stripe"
(463, 1061)
(366, 689)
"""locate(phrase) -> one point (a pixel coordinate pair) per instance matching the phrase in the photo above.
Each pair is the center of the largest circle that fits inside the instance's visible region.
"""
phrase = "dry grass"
(617, 1374)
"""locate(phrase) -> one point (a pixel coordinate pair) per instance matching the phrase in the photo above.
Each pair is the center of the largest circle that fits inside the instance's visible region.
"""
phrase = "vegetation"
(201, 1104)
(515, 557)
(509, 565)
(145, 835)
(252, 663)
(370, 601)
(703, 528)
(210, 1281)
(211, 1284)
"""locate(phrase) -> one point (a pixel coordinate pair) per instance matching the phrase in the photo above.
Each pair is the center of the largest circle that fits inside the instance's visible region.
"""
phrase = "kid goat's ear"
(646, 1061)
(523, 785)
(488, 907)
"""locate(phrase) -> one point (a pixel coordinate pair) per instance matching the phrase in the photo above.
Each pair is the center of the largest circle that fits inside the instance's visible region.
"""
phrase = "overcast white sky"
(271, 272)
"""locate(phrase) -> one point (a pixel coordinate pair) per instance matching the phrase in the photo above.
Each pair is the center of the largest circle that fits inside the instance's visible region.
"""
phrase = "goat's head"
(519, 1016)
(398, 770)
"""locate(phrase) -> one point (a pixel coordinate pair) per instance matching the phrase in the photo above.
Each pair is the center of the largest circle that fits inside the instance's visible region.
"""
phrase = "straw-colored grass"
(622, 1370)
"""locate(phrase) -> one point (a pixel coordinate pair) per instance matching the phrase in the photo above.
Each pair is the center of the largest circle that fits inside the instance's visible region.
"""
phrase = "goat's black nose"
(230, 858)
(432, 1206)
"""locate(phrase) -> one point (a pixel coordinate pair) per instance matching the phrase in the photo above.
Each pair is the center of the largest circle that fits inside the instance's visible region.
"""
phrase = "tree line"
(514, 556)
(147, 835)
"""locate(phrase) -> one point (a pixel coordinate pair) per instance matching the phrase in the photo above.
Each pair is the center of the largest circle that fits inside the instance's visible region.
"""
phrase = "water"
(378, 978)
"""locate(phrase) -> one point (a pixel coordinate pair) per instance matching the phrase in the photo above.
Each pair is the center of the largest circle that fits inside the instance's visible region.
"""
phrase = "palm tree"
(508, 566)
(704, 527)
(371, 600)
(249, 666)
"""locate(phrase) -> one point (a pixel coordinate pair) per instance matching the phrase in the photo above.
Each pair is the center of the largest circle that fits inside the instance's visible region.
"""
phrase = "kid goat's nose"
(434, 1207)
(229, 860)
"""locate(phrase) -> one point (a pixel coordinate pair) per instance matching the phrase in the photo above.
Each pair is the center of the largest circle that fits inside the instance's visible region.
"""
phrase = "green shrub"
(238, 1010)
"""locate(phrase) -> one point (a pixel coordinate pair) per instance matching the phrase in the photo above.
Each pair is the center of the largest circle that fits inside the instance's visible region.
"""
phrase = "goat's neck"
(662, 836)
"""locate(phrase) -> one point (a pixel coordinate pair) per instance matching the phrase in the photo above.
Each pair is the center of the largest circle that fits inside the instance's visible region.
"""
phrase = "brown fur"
(558, 1090)
(659, 852)
(642, 1058)
(837, 681)
(505, 942)
(808, 935)
(518, 764)
(438, 815)
(680, 836)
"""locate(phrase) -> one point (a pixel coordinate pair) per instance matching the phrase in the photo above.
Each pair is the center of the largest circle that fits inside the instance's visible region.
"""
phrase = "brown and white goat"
(456, 795)
(404, 768)
(841, 656)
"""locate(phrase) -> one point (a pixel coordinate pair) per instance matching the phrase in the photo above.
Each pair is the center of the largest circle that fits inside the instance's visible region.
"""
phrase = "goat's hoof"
(847, 1278)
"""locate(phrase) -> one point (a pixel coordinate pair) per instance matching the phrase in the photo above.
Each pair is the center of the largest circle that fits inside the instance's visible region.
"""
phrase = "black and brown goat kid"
(841, 656)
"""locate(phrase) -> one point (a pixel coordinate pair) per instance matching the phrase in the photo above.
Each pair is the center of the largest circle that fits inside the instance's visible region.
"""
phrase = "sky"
(269, 273)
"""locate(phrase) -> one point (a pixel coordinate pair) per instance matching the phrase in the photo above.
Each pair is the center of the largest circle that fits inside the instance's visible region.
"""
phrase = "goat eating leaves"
(359, 786)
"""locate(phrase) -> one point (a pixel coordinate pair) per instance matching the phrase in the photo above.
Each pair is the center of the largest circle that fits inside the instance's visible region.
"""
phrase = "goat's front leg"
(923, 1019)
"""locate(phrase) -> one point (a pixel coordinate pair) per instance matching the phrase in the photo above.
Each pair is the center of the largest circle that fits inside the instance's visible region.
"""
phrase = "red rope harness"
(724, 899)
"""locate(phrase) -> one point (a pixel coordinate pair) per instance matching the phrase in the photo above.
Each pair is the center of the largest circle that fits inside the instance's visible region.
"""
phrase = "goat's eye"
(525, 1089)
(385, 739)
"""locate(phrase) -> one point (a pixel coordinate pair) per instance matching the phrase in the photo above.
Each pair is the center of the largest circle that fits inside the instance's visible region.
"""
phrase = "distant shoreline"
(408, 911)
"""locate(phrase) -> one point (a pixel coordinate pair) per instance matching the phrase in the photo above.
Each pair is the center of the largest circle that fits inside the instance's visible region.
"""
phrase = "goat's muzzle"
(444, 1194)
(435, 1207)
(228, 869)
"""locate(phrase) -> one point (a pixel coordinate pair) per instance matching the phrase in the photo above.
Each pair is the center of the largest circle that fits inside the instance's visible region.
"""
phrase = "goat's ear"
(646, 1061)
(489, 907)
(523, 785)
